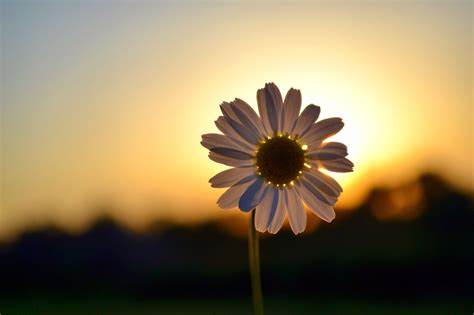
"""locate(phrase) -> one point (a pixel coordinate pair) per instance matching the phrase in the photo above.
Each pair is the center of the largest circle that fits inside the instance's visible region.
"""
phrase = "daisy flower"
(276, 159)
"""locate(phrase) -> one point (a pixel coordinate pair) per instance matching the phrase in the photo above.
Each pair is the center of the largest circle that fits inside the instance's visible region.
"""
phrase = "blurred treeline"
(410, 242)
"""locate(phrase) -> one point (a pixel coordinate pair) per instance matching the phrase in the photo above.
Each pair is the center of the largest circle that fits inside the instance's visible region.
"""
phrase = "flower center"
(280, 160)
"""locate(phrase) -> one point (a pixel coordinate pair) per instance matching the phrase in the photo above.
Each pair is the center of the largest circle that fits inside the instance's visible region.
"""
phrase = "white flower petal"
(214, 140)
(315, 190)
(247, 116)
(232, 153)
(330, 146)
(227, 111)
(279, 216)
(324, 156)
(328, 180)
(295, 209)
(321, 209)
(248, 134)
(291, 109)
(321, 130)
(341, 165)
(230, 199)
(304, 122)
(273, 95)
(253, 195)
(262, 109)
(266, 210)
(231, 176)
(328, 151)
(223, 125)
(219, 158)
(269, 106)
(243, 113)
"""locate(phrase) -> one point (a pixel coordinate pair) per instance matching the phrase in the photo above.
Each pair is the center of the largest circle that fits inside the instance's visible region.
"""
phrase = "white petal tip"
(328, 220)
(274, 231)
(223, 207)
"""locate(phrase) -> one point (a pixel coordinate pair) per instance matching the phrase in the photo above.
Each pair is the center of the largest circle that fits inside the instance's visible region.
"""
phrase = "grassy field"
(277, 306)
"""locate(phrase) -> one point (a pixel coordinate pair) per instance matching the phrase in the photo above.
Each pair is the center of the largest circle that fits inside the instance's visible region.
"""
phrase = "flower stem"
(254, 264)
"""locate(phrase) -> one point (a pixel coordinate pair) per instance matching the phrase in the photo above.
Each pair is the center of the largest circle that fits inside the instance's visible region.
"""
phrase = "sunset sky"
(103, 103)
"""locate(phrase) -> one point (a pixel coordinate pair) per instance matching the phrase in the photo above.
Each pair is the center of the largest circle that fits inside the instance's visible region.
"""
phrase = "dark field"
(359, 264)
(228, 306)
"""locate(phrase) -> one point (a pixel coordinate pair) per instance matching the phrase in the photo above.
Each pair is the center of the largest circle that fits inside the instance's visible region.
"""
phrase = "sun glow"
(101, 115)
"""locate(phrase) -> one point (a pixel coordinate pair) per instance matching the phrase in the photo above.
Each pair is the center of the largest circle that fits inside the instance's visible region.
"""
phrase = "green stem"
(254, 264)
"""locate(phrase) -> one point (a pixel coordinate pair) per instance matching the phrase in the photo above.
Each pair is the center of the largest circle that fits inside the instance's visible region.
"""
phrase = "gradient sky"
(103, 103)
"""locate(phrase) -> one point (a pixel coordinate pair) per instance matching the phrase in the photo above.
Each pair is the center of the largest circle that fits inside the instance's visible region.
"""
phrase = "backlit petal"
(296, 212)
(219, 158)
(230, 199)
(321, 130)
(315, 190)
(232, 153)
(321, 209)
(328, 180)
(341, 165)
(227, 111)
(253, 195)
(328, 151)
(214, 140)
(279, 217)
(231, 176)
(270, 107)
(246, 133)
(291, 109)
(266, 210)
(304, 122)
(222, 123)
(247, 116)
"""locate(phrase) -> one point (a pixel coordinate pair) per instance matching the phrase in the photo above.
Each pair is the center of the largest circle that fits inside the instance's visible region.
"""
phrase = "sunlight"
(85, 131)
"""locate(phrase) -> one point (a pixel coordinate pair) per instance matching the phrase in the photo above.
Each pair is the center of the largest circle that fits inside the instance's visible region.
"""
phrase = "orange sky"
(104, 104)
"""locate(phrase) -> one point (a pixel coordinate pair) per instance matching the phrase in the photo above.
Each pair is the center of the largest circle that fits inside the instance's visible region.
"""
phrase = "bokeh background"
(105, 204)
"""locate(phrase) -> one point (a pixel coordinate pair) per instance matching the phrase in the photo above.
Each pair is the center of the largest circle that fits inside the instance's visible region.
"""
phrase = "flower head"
(276, 159)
